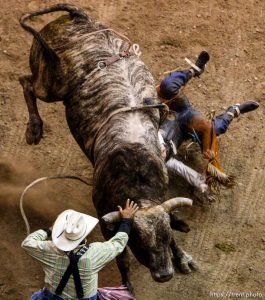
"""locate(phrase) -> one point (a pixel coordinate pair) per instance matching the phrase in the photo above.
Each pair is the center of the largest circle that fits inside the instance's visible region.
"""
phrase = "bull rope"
(37, 181)
(215, 176)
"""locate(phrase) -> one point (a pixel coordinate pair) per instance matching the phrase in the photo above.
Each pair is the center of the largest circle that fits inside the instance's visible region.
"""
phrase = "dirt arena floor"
(228, 236)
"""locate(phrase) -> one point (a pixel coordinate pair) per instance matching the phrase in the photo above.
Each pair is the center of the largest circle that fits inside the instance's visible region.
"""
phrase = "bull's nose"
(162, 277)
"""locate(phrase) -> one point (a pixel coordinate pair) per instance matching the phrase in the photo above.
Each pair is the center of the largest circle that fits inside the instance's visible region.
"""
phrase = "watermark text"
(231, 294)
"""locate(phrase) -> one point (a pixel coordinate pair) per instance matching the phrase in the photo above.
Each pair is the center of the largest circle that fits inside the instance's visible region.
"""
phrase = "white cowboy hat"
(70, 228)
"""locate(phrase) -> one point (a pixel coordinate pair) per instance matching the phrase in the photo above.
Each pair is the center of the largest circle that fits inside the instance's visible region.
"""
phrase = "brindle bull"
(68, 62)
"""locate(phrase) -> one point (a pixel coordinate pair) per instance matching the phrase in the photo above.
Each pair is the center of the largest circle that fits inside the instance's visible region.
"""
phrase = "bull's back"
(55, 76)
(53, 33)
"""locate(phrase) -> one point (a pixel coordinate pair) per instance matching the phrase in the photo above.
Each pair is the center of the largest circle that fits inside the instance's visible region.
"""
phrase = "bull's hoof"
(186, 264)
(34, 132)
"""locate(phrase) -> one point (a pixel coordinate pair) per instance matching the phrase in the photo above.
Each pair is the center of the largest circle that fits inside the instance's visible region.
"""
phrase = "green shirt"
(55, 262)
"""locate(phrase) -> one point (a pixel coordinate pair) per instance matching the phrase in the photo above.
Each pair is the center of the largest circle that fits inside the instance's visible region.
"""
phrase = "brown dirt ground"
(167, 31)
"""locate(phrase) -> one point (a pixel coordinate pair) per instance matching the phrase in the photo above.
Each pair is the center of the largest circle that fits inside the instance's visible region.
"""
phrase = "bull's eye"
(149, 101)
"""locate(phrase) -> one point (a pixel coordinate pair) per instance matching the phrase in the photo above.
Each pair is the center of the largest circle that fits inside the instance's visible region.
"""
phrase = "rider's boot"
(235, 110)
(200, 63)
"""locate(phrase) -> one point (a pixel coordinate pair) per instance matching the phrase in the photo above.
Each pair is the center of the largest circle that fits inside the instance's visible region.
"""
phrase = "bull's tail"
(74, 11)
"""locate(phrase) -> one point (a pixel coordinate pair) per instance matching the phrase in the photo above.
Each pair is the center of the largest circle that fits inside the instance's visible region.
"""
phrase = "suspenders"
(72, 269)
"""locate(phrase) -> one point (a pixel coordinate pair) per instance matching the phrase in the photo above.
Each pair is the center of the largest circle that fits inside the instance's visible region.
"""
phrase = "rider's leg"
(222, 122)
(170, 85)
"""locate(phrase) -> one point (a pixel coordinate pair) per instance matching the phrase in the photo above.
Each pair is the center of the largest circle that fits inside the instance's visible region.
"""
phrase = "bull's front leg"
(123, 261)
(34, 129)
(183, 261)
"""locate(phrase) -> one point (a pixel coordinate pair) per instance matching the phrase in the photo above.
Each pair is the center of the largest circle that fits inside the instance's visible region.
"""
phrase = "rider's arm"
(194, 178)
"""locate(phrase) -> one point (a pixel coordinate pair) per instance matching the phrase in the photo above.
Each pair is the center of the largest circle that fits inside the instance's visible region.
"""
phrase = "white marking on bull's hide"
(135, 130)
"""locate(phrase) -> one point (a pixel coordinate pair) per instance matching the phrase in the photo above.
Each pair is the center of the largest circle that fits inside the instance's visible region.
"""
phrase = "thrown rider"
(184, 122)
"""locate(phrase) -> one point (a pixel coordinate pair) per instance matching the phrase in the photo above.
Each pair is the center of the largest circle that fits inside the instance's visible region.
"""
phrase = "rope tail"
(74, 12)
(37, 181)
(216, 177)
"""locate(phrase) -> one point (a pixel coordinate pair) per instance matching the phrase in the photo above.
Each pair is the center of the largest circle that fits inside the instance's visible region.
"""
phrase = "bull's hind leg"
(183, 261)
(34, 127)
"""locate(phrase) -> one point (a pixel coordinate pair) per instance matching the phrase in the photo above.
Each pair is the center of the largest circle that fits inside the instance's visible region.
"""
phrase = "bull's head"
(152, 235)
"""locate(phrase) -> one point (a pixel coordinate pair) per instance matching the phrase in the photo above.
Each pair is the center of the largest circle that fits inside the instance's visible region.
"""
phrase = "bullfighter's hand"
(129, 210)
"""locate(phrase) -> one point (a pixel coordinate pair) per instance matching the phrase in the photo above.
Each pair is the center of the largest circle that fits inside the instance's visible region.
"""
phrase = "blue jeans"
(169, 88)
(45, 294)
(170, 85)
(221, 123)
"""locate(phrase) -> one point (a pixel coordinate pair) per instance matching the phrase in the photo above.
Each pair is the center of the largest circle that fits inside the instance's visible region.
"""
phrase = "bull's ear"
(173, 203)
(112, 217)
(178, 224)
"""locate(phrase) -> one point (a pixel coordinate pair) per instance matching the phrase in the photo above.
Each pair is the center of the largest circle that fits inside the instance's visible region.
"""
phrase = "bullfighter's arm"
(107, 251)
(36, 245)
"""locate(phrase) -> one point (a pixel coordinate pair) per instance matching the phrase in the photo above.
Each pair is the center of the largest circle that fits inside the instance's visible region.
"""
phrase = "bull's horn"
(112, 217)
(173, 203)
